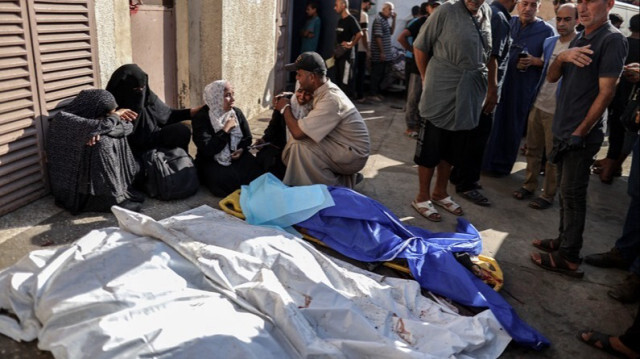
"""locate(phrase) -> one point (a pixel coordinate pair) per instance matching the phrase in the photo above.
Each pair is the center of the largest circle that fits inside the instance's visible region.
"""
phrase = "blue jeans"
(629, 243)
(573, 180)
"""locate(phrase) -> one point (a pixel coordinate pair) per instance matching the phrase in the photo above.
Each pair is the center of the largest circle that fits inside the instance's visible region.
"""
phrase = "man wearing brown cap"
(331, 144)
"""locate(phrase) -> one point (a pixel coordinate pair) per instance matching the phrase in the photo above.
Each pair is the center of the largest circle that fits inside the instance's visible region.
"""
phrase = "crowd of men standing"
(478, 79)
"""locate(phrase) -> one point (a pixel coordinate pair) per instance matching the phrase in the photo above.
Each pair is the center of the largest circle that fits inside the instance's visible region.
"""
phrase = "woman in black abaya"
(222, 135)
(157, 125)
(90, 164)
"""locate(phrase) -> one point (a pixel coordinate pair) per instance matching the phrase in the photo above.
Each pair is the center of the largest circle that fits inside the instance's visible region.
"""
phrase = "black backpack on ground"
(169, 173)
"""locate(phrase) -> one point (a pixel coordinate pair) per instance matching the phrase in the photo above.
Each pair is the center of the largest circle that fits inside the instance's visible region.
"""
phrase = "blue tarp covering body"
(363, 229)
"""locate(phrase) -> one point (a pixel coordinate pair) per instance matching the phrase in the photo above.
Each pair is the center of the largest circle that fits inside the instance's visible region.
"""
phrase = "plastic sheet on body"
(203, 283)
(363, 229)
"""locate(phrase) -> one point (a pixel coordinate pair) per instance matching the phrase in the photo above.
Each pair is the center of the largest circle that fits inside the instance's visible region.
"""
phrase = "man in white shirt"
(539, 134)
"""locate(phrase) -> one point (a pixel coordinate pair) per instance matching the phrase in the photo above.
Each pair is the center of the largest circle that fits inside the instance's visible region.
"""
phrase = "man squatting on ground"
(331, 144)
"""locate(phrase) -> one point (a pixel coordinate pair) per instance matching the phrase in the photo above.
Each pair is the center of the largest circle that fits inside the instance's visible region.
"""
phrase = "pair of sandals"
(552, 260)
(602, 341)
(429, 211)
(537, 203)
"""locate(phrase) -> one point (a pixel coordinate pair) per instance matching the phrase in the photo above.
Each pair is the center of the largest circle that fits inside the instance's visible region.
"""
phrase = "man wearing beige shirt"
(331, 144)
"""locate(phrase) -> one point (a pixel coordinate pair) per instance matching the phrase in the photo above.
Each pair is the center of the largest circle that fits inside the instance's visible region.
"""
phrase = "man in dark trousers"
(412, 75)
(466, 175)
(348, 33)
(589, 69)
(381, 48)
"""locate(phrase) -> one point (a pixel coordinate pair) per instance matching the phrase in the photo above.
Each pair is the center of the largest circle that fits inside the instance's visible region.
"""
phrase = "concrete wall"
(113, 30)
(227, 39)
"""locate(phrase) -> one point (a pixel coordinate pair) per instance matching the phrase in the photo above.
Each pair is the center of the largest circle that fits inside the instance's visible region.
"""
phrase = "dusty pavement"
(555, 305)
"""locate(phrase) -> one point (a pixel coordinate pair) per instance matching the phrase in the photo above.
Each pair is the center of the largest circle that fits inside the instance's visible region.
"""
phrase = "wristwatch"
(284, 108)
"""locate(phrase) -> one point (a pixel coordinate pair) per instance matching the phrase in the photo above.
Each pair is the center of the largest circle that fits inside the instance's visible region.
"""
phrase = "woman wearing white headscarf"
(221, 134)
(276, 134)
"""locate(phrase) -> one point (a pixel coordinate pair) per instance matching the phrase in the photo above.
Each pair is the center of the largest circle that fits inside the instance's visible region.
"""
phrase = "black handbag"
(170, 174)
(339, 51)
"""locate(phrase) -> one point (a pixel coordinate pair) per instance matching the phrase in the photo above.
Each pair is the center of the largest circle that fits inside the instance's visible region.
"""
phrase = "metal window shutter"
(21, 170)
(46, 57)
(62, 44)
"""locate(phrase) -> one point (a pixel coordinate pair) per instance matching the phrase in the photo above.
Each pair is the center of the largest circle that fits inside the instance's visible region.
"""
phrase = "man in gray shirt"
(451, 52)
(590, 69)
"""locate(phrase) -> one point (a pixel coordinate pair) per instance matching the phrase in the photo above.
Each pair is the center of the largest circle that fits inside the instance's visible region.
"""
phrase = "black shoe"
(475, 197)
(136, 196)
(611, 259)
(131, 205)
(627, 291)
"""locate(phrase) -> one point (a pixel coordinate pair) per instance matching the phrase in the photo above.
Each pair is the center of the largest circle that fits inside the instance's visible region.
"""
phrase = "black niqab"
(130, 87)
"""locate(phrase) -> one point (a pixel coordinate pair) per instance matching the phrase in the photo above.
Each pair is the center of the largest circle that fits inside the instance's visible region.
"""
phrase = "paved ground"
(555, 305)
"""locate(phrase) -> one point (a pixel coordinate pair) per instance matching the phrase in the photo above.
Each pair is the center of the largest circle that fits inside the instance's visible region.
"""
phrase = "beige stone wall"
(113, 32)
(229, 39)
(546, 10)
(248, 51)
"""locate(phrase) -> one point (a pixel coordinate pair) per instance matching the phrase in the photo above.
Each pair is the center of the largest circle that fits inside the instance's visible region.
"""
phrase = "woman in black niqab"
(157, 124)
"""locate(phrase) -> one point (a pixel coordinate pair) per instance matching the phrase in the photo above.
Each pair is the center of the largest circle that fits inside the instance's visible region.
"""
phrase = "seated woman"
(90, 164)
(276, 134)
(157, 124)
(222, 135)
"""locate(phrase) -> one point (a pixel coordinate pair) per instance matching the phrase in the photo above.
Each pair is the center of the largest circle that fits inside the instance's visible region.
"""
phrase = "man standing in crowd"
(556, 5)
(451, 52)
(589, 69)
(311, 30)
(523, 73)
(624, 255)
(466, 174)
(331, 144)
(539, 135)
(381, 48)
(611, 165)
(616, 20)
(412, 75)
(348, 33)
(363, 49)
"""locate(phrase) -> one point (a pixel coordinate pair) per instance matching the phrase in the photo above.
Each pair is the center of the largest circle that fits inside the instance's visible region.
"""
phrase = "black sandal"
(548, 245)
(603, 339)
(539, 203)
(555, 263)
(475, 197)
(522, 193)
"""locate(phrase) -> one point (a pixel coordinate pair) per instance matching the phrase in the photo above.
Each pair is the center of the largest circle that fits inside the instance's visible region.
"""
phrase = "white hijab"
(213, 96)
(300, 111)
